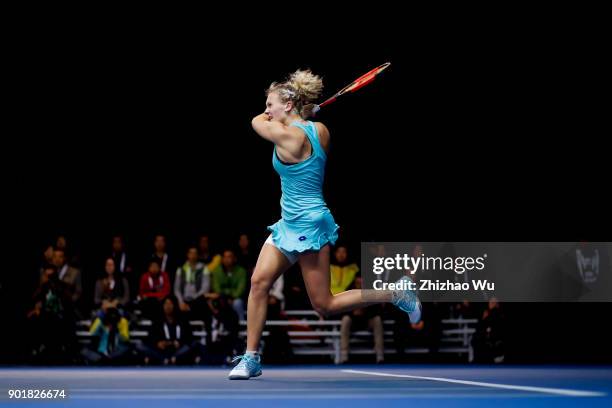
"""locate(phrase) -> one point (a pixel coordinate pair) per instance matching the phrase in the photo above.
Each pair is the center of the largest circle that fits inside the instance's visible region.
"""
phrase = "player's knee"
(259, 285)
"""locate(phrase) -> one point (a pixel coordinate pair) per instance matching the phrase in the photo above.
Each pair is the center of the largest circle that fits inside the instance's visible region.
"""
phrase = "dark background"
(483, 136)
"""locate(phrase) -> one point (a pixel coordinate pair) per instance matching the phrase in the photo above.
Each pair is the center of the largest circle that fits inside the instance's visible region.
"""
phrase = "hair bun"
(307, 85)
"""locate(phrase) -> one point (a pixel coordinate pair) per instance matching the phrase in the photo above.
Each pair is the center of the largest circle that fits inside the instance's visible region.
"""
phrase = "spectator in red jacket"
(154, 287)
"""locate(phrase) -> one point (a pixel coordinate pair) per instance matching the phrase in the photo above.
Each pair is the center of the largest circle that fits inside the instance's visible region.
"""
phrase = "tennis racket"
(368, 77)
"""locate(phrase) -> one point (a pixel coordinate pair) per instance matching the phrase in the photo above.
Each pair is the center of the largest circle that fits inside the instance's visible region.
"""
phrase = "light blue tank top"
(302, 183)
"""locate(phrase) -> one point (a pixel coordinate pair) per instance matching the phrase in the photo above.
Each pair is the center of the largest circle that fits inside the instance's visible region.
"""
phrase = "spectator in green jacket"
(229, 281)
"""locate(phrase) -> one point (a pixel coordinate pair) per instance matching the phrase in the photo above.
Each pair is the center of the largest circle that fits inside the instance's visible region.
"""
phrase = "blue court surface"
(318, 386)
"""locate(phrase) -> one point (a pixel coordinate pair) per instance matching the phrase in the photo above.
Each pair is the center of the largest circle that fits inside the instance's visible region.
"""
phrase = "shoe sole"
(420, 308)
(239, 377)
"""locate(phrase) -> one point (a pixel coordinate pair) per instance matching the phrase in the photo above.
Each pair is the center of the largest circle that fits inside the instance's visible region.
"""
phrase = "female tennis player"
(307, 229)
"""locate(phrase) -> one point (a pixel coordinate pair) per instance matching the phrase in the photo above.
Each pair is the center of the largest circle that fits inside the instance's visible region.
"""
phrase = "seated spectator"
(192, 288)
(207, 256)
(343, 276)
(51, 320)
(120, 256)
(229, 281)
(223, 341)
(154, 286)
(359, 319)
(69, 275)
(160, 254)
(342, 272)
(246, 256)
(172, 340)
(62, 243)
(113, 290)
(488, 341)
(192, 284)
(112, 335)
(123, 265)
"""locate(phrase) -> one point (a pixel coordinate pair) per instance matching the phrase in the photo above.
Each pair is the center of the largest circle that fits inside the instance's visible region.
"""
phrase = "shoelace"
(244, 360)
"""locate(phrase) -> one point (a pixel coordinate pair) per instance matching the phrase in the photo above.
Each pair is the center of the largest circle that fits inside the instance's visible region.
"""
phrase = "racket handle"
(327, 102)
(310, 110)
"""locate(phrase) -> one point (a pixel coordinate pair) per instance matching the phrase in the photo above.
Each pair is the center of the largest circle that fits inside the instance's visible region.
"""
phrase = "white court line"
(280, 396)
(255, 390)
(555, 391)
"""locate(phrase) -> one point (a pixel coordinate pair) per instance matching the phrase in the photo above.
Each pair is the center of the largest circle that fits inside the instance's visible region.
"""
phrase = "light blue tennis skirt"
(310, 231)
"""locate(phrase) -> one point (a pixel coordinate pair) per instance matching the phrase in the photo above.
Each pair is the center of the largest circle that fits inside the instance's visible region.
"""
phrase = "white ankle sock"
(251, 353)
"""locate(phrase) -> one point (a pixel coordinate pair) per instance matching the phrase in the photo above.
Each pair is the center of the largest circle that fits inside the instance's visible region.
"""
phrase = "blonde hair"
(301, 89)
